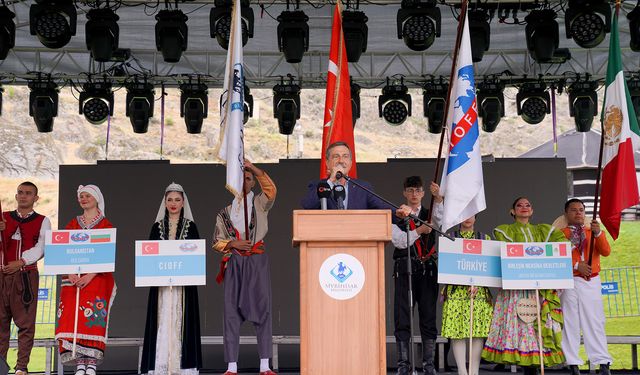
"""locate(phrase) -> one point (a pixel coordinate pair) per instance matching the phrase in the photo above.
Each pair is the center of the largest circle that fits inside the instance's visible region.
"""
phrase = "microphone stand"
(407, 222)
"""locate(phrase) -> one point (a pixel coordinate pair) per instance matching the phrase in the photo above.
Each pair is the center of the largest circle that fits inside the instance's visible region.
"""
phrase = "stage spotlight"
(355, 103)
(293, 35)
(435, 99)
(533, 102)
(490, 98)
(587, 21)
(7, 32)
(583, 103)
(220, 21)
(102, 33)
(543, 37)
(394, 105)
(634, 28)
(171, 34)
(248, 104)
(43, 104)
(194, 105)
(480, 34)
(140, 100)
(96, 102)
(634, 91)
(286, 106)
(354, 27)
(418, 23)
(53, 21)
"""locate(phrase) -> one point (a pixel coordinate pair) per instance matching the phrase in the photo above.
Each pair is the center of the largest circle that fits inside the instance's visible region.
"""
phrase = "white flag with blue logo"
(231, 146)
(462, 184)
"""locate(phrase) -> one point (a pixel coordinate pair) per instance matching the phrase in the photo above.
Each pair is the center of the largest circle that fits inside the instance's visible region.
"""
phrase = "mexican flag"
(620, 132)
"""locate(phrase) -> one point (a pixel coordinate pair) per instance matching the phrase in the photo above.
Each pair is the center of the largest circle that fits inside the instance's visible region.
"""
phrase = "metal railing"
(620, 291)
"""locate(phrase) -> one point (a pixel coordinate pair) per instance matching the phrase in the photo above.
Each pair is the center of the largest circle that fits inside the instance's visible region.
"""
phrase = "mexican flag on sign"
(621, 137)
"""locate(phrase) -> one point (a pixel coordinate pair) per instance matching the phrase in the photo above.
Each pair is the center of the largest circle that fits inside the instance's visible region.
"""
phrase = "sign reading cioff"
(341, 276)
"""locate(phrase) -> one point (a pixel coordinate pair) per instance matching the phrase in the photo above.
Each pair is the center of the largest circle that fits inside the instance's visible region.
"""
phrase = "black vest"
(427, 241)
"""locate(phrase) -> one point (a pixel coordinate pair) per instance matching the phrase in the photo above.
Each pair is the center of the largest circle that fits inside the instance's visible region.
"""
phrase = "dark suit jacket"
(357, 199)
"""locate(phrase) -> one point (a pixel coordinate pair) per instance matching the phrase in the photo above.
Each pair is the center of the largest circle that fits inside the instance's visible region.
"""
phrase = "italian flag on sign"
(620, 132)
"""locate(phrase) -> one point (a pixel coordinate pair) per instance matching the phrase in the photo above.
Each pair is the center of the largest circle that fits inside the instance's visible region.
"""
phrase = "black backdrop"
(133, 191)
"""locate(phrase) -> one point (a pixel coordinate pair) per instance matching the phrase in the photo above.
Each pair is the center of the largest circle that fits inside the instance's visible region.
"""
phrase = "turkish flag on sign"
(150, 248)
(515, 250)
(60, 237)
(472, 247)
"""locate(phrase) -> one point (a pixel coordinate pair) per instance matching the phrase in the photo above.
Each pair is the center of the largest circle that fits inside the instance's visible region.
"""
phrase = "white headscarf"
(95, 192)
(187, 209)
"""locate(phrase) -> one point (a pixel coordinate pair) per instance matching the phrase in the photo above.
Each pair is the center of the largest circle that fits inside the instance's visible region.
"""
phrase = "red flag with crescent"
(150, 248)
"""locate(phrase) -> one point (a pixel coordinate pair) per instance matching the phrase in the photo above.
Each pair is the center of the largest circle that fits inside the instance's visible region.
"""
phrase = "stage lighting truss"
(634, 91)
(543, 37)
(248, 104)
(354, 26)
(7, 31)
(96, 102)
(490, 98)
(194, 105)
(533, 102)
(220, 21)
(634, 28)
(102, 33)
(418, 23)
(480, 33)
(394, 105)
(293, 35)
(53, 21)
(171, 34)
(140, 101)
(286, 106)
(43, 103)
(434, 104)
(355, 103)
(587, 21)
(583, 103)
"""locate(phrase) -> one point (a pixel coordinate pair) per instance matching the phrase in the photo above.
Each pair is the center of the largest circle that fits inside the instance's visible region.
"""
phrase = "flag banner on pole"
(462, 182)
(621, 133)
(338, 123)
(231, 144)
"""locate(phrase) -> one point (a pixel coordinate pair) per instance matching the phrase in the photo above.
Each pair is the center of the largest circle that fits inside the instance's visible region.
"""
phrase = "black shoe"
(428, 351)
(530, 370)
(604, 369)
(404, 366)
(574, 370)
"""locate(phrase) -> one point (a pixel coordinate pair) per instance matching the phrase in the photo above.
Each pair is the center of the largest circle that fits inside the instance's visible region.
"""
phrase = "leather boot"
(604, 369)
(428, 351)
(574, 370)
(404, 366)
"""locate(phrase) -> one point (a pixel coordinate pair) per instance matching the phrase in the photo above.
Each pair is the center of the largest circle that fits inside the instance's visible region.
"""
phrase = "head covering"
(95, 192)
(187, 209)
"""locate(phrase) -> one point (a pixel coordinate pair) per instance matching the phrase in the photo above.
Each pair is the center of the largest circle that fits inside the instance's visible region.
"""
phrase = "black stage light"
(286, 106)
(634, 91)
(480, 34)
(171, 34)
(435, 99)
(354, 27)
(394, 105)
(220, 21)
(587, 21)
(248, 104)
(543, 37)
(43, 104)
(418, 23)
(293, 35)
(102, 33)
(490, 98)
(96, 102)
(53, 21)
(140, 100)
(583, 103)
(194, 106)
(7, 32)
(634, 28)
(533, 102)
(355, 103)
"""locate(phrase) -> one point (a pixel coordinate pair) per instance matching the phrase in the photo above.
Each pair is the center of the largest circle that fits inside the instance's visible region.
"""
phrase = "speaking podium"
(342, 305)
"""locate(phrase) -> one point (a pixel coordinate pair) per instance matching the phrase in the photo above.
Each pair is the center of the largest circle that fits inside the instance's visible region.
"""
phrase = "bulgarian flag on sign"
(620, 132)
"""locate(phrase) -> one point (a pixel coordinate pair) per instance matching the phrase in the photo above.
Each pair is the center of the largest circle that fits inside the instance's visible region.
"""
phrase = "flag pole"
(456, 51)
(472, 296)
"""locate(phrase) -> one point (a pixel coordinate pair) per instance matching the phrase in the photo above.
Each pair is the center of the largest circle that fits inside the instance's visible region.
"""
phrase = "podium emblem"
(341, 276)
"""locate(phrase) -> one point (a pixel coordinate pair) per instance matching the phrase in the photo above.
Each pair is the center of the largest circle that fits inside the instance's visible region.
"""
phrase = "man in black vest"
(424, 281)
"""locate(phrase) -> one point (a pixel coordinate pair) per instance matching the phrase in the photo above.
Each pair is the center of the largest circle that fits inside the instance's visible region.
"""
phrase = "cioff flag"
(462, 184)
(231, 145)
(338, 120)
(620, 133)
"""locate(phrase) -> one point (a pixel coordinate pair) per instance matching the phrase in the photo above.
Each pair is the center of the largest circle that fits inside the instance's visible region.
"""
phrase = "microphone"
(339, 194)
(324, 192)
(340, 175)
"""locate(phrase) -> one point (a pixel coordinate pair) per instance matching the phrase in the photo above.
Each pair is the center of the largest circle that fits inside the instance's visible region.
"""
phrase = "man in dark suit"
(338, 158)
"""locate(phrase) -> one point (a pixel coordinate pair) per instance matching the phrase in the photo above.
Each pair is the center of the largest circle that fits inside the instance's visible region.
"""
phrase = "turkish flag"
(514, 250)
(338, 123)
(60, 237)
(150, 248)
(472, 246)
